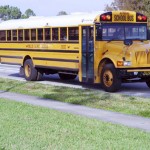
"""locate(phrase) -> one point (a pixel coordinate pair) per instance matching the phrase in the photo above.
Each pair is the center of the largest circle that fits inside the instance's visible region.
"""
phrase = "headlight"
(127, 63)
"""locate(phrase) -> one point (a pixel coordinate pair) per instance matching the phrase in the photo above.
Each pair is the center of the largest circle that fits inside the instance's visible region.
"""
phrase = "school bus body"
(100, 60)
(44, 54)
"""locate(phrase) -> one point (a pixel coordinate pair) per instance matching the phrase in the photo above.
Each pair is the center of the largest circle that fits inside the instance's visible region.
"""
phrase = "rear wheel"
(67, 76)
(109, 78)
(30, 72)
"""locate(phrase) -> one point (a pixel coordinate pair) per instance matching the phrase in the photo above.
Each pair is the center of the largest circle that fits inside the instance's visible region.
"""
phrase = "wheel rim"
(27, 70)
(108, 78)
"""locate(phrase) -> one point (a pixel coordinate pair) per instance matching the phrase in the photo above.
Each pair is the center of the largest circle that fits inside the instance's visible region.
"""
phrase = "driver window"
(98, 33)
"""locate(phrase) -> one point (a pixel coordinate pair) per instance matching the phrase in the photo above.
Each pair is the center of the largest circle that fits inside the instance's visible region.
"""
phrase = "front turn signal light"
(120, 63)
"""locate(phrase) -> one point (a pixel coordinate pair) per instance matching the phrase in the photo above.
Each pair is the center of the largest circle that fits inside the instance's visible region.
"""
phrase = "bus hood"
(141, 51)
(136, 46)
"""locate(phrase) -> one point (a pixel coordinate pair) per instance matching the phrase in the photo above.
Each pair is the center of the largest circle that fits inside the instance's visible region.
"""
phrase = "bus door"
(87, 54)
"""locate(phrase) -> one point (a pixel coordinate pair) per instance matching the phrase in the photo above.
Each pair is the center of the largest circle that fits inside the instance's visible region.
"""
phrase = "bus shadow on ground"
(55, 80)
(16, 75)
(74, 83)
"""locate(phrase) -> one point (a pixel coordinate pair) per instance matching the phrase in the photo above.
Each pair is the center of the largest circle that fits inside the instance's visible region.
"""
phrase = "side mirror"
(148, 34)
(128, 42)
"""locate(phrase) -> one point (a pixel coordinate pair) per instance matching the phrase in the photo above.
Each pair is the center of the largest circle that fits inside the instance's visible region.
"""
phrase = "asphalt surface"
(132, 89)
(107, 116)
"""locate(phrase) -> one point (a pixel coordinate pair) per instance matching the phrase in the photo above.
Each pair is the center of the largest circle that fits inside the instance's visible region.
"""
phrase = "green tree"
(136, 5)
(62, 13)
(29, 12)
(7, 12)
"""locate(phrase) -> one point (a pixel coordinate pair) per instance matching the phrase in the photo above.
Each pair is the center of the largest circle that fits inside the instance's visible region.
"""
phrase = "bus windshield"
(117, 32)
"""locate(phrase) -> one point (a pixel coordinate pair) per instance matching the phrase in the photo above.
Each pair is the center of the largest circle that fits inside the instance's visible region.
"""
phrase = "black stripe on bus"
(59, 42)
(9, 63)
(57, 68)
(54, 59)
(39, 50)
(17, 57)
(136, 68)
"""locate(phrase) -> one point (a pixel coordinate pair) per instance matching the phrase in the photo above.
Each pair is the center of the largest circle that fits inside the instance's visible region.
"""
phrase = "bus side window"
(73, 33)
(27, 35)
(14, 32)
(33, 34)
(8, 35)
(3, 35)
(55, 34)
(63, 34)
(20, 35)
(47, 34)
(40, 34)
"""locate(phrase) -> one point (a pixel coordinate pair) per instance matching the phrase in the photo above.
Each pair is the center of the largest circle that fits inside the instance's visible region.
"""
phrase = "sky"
(52, 7)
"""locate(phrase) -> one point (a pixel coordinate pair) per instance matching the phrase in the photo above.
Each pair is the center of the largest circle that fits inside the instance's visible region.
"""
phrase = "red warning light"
(144, 18)
(103, 17)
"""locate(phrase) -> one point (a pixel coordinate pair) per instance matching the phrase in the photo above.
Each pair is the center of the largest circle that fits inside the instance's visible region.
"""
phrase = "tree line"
(143, 6)
(9, 12)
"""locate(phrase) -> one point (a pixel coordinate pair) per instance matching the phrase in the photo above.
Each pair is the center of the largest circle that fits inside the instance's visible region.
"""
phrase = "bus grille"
(142, 57)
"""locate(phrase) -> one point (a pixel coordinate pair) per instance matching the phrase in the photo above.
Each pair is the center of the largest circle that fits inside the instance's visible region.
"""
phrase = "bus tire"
(148, 83)
(109, 78)
(30, 72)
(67, 76)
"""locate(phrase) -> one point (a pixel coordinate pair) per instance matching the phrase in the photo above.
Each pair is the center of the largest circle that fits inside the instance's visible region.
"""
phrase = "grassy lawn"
(88, 97)
(29, 127)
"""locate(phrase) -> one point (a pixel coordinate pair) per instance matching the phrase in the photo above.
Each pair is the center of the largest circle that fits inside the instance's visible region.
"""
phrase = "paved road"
(135, 89)
(107, 116)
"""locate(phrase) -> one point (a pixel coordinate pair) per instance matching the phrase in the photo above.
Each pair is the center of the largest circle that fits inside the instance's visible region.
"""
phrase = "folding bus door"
(87, 54)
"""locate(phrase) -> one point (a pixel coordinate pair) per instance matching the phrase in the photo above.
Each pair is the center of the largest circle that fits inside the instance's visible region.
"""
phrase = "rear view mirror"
(148, 34)
(128, 42)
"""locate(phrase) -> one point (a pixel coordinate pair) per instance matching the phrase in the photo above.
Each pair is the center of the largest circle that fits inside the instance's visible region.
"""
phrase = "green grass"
(26, 127)
(88, 97)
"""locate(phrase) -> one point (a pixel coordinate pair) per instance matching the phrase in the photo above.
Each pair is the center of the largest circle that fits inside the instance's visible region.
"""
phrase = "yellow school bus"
(101, 47)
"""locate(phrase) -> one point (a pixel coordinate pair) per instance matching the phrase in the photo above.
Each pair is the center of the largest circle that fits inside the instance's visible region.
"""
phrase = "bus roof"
(54, 21)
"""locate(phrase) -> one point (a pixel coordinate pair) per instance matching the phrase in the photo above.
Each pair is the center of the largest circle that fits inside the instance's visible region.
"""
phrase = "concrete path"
(107, 116)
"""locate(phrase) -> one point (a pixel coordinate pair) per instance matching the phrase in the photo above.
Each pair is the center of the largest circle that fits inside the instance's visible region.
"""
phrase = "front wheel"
(109, 78)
